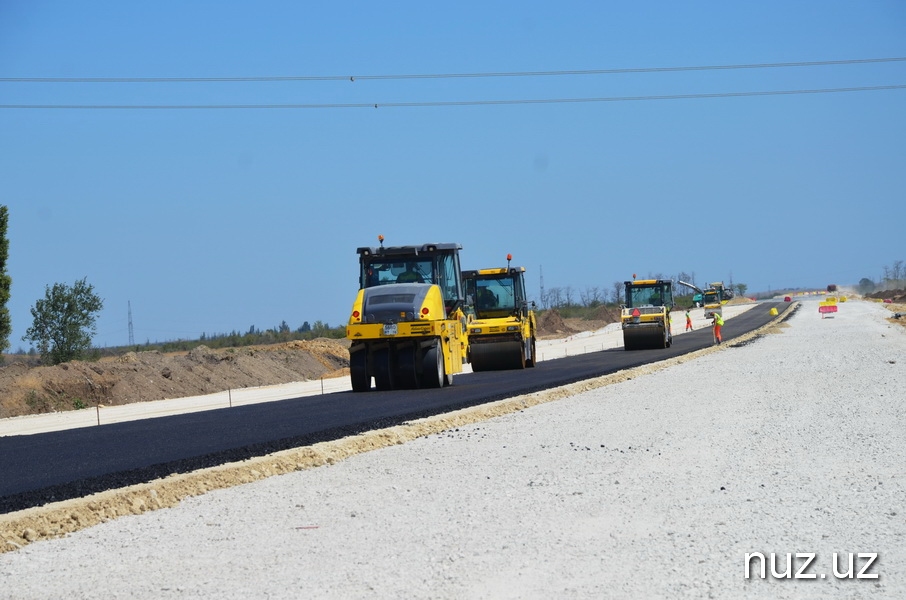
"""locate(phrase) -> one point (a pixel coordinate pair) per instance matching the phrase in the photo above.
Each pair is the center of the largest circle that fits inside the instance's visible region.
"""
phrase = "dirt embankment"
(890, 296)
(143, 376)
(551, 325)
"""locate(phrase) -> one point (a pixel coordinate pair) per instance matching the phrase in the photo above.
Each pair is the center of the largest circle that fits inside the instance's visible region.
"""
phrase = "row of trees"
(893, 278)
(253, 337)
(593, 296)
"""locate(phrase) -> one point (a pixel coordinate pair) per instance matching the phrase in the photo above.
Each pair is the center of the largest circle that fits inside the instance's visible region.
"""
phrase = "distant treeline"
(253, 337)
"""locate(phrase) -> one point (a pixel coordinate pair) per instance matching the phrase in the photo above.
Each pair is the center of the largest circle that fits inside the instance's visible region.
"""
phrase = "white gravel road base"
(657, 487)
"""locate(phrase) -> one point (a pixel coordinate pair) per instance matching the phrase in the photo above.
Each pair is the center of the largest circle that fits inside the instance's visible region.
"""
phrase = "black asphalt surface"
(54, 466)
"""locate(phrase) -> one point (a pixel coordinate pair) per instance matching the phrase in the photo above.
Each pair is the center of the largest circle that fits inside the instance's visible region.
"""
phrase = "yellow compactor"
(645, 315)
(712, 303)
(715, 297)
(407, 327)
(502, 332)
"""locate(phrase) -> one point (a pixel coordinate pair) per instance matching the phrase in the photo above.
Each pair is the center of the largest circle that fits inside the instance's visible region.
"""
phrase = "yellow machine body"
(407, 326)
(714, 299)
(502, 328)
(712, 303)
(645, 314)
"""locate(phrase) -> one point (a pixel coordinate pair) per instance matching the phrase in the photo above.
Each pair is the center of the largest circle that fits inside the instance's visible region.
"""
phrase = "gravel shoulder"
(651, 485)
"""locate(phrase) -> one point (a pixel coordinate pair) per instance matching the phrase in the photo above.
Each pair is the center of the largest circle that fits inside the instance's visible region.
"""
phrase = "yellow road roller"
(645, 315)
(502, 330)
(407, 327)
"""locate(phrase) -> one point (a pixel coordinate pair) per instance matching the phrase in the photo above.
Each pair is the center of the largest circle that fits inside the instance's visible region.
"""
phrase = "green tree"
(741, 289)
(866, 286)
(320, 329)
(6, 324)
(64, 321)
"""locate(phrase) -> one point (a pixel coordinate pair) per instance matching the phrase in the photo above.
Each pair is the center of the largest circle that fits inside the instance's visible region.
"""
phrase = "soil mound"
(144, 376)
(895, 296)
(606, 315)
(551, 324)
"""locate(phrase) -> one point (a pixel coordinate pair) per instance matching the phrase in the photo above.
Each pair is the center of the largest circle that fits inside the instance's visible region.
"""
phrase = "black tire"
(358, 371)
(477, 365)
(520, 360)
(628, 344)
(383, 369)
(433, 367)
(407, 374)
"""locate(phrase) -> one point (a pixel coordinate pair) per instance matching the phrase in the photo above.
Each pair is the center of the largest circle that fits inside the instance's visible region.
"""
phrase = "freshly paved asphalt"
(54, 466)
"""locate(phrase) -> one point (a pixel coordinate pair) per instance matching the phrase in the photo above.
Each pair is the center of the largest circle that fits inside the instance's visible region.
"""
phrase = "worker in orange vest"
(718, 323)
(688, 321)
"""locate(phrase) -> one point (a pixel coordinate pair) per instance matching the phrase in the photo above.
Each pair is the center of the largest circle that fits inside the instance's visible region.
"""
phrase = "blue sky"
(216, 219)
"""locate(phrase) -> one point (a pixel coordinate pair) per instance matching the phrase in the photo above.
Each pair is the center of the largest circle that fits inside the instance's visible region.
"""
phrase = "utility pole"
(541, 276)
(131, 337)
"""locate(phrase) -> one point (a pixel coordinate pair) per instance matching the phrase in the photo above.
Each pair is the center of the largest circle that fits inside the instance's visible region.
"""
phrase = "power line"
(447, 103)
(352, 78)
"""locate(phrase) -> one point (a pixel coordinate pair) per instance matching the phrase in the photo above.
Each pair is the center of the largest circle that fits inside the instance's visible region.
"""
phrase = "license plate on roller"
(389, 328)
